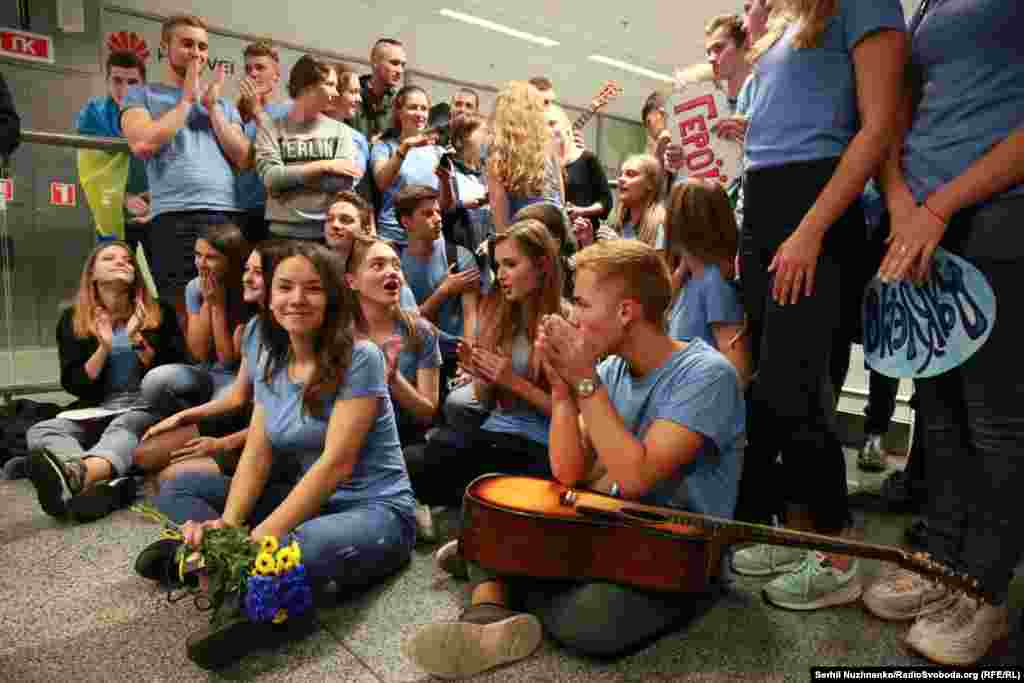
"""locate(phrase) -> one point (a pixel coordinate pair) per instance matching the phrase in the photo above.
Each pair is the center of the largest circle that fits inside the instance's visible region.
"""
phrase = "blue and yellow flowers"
(278, 587)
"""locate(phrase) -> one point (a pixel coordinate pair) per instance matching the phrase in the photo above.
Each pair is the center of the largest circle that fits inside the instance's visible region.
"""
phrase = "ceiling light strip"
(500, 28)
(632, 68)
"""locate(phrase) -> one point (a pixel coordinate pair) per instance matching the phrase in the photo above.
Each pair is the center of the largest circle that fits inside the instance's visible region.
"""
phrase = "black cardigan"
(10, 123)
(166, 340)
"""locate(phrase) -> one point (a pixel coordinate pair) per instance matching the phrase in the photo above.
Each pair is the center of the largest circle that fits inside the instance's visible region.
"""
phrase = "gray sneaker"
(871, 457)
(763, 559)
(960, 634)
(16, 467)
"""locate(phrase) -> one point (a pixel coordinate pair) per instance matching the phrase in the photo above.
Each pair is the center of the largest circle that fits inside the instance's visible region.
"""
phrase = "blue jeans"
(355, 543)
(114, 438)
(176, 386)
(974, 417)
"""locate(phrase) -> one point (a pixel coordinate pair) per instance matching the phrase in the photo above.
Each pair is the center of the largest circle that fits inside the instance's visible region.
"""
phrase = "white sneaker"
(902, 594)
(448, 559)
(960, 634)
(425, 530)
(762, 559)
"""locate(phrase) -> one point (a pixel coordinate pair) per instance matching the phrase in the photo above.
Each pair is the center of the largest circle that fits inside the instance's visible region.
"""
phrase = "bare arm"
(498, 199)
(252, 472)
(735, 346)
(145, 136)
(420, 400)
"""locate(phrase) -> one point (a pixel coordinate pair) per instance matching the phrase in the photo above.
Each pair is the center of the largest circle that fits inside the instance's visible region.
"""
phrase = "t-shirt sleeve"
(193, 297)
(706, 401)
(362, 147)
(135, 98)
(87, 121)
(722, 302)
(381, 151)
(231, 112)
(366, 374)
(430, 349)
(863, 18)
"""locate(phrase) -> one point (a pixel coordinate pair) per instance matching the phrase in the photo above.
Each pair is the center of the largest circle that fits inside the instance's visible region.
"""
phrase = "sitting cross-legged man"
(658, 421)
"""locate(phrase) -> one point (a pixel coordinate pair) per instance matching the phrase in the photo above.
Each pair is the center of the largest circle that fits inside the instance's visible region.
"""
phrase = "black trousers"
(792, 409)
(440, 472)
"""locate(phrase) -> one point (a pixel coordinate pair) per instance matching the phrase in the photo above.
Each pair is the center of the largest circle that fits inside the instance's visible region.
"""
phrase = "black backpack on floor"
(15, 419)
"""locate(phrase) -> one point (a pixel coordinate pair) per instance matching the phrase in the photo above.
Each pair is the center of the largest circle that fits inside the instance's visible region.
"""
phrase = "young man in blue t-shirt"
(447, 293)
(193, 143)
(102, 116)
(658, 421)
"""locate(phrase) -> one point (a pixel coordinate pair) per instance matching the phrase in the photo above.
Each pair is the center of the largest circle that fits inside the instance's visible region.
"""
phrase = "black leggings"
(792, 411)
(440, 472)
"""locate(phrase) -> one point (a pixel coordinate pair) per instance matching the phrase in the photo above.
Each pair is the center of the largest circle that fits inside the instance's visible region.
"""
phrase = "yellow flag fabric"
(103, 176)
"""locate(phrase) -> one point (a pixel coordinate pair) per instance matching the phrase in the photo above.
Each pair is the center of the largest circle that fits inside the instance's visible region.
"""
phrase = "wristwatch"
(585, 388)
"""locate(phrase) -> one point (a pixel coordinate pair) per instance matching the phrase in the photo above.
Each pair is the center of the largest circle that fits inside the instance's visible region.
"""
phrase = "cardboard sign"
(693, 111)
(63, 194)
(912, 331)
(24, 45)
(7, 189)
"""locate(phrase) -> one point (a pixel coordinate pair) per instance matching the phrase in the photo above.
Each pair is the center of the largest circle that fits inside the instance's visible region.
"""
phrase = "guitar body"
(518, 526)
(525, 526)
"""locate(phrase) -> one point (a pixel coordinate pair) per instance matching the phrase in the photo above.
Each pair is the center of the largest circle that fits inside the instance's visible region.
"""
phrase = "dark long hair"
(227, 239)
(334, 340)
(394, 129)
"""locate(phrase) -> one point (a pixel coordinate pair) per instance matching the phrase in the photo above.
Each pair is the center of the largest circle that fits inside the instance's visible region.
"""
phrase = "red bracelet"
(932, 212)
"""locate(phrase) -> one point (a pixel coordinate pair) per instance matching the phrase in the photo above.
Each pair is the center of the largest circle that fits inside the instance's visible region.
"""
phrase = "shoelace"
(200, 600)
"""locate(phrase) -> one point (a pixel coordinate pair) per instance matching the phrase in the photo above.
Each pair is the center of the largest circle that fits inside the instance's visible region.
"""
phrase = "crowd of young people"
(677, 348)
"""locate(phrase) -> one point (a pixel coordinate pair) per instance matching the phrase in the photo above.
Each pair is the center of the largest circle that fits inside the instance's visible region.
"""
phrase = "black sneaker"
(216, 647)
(102, 498)
(157, 563)
(56, 482)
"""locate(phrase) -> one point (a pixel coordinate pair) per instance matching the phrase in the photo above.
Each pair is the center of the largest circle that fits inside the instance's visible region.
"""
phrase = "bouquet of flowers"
(268, 578)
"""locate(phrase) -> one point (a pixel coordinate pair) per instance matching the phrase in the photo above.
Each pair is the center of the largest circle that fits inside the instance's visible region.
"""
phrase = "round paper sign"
(912, 331)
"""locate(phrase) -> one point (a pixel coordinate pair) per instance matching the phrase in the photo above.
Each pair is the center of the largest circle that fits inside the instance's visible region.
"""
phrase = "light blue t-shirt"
(189, 173)
(520, 418)
(423, 278)
(222, 374)
(696, 388)
(252, 195)
(124, 372)
(407, 300)
(629, 233)
(971, 56)
(705, 300)
(804, 104)
(417, 169)
(101, 116)
(252, 347)
(410, 361)
(295, 434)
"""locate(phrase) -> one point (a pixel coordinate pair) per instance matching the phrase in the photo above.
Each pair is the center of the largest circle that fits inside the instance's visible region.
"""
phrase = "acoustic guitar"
(525, 526)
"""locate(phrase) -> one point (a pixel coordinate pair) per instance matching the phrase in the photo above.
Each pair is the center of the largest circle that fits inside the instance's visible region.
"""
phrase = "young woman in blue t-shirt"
(322, 463)
(700, 243)
(826, 86)
(506, 375)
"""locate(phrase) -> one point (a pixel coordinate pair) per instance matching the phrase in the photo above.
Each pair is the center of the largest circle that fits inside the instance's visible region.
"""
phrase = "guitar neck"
(583, 119)
(730, 531)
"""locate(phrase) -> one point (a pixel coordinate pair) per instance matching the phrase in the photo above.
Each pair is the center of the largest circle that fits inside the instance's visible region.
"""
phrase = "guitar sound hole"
(644, 515)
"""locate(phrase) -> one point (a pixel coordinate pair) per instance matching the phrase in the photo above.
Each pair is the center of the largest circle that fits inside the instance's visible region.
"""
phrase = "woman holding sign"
(821, 118)
(957, 180)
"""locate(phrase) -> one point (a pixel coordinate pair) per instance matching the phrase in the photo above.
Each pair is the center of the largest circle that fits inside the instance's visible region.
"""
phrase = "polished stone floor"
(71, 609)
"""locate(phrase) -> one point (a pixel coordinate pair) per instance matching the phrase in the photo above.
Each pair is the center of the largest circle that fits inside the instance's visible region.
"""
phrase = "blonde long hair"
(502, 320)
(521, 142)
(812, 16)
(653, 213)
(87, 299)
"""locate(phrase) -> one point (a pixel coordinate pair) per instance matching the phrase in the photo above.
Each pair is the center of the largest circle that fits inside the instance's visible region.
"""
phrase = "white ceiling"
(657, 34)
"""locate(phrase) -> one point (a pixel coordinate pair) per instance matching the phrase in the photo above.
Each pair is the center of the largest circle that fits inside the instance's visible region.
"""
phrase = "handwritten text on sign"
(912, 331)
(694, 112)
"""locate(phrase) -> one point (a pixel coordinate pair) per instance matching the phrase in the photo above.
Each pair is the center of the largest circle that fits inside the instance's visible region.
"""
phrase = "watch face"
(586, 387)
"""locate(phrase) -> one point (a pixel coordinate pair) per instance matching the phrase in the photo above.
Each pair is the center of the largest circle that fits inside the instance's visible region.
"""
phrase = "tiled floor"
(72, 609)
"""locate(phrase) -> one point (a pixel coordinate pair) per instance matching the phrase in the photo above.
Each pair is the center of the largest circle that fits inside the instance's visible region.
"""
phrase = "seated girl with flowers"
(322, 464)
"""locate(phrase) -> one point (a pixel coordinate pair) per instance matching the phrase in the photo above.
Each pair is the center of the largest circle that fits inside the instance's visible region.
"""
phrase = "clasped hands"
(565, 355)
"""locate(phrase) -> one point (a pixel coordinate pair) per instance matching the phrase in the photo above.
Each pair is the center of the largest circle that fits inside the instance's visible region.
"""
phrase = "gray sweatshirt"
(283, 144)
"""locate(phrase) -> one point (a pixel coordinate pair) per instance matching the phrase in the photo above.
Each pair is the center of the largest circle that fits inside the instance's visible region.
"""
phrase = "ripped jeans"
(354, 543)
